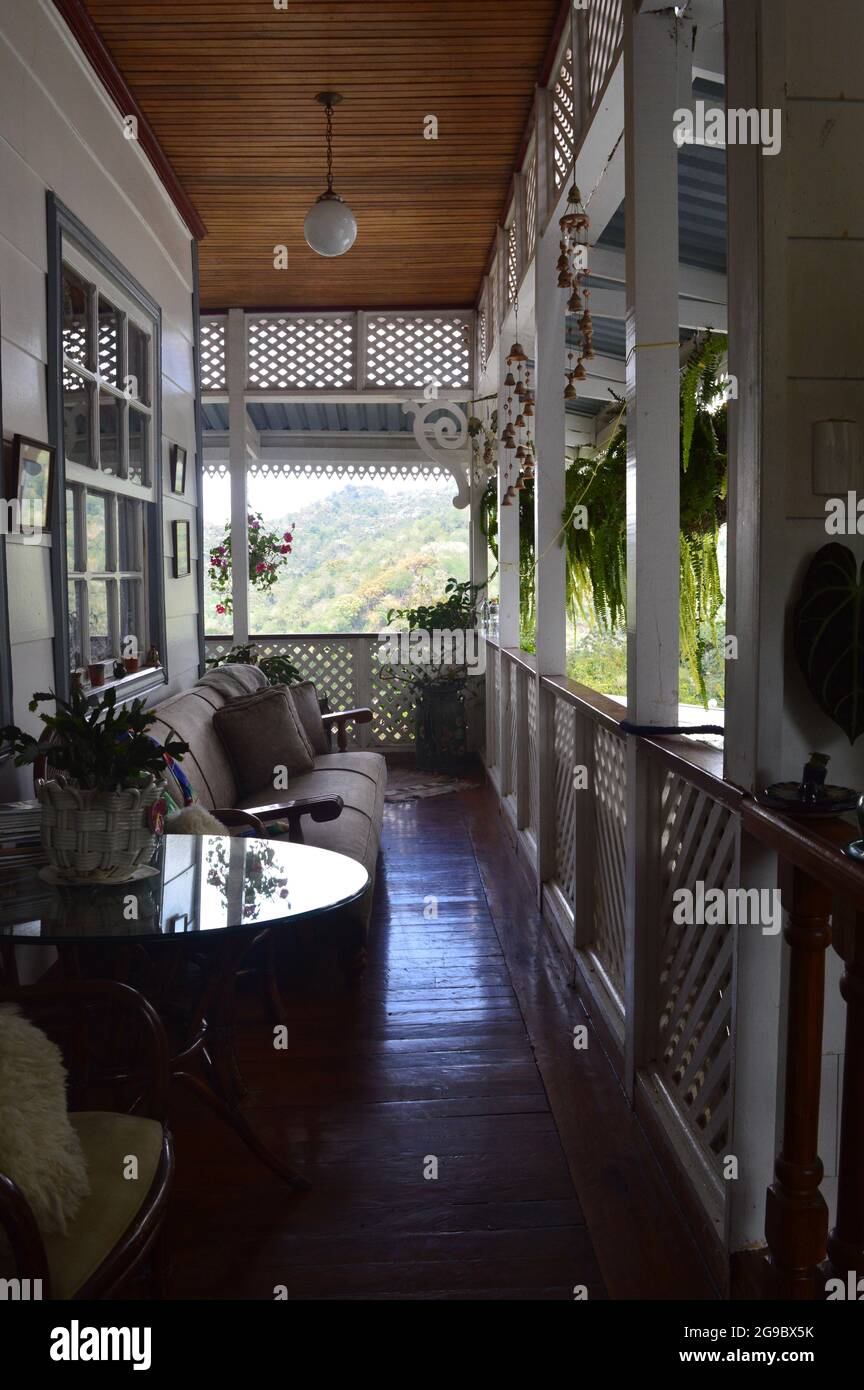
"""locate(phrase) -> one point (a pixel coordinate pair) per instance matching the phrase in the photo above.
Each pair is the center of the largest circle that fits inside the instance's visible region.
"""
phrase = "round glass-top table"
(198, 884)
(207, 900)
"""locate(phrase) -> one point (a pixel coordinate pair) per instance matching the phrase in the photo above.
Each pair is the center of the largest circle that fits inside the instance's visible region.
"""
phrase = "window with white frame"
(111, 472)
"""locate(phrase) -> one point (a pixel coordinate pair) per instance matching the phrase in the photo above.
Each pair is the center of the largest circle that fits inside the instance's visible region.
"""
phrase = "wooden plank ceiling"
(228, 88)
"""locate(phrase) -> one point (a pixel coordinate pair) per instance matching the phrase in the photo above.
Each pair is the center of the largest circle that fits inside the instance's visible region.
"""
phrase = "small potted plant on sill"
(103, 805)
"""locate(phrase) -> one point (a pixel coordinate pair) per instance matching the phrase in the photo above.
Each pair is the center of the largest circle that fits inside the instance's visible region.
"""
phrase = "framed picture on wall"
(32, 482)
(182, 549)
(178, 469)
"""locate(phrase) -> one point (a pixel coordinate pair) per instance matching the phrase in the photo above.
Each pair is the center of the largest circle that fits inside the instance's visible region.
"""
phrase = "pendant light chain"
(329, 109)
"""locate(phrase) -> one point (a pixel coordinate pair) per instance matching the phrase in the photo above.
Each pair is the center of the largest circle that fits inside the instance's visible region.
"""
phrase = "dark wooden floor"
(431, 1061)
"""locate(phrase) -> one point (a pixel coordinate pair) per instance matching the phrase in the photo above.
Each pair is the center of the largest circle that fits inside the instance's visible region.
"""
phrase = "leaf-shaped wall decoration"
(828, 628)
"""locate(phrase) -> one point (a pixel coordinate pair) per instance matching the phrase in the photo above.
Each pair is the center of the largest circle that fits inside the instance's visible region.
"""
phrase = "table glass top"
(201, 883)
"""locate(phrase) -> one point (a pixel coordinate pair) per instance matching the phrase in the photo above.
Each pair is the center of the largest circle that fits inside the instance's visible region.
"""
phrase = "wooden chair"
(120, 1223)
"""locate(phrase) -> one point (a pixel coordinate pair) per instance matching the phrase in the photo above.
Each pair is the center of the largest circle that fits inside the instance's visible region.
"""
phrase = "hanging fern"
(596, 569)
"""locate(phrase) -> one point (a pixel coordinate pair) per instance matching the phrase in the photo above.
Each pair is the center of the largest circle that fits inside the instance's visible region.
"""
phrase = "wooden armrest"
(231, 815)
(320, 808)
(71, 997)
(342, 717)
(19, 1223)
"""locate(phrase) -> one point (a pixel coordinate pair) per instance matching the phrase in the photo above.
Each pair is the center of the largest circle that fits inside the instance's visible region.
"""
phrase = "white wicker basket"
(95, 836)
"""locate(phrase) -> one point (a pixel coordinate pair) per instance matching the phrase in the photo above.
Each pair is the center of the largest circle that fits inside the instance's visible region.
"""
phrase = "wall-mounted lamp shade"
(330, 227)
(836, 458)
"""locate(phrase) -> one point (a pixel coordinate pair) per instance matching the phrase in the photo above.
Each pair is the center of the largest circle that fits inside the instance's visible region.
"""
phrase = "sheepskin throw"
(39, 1149)
(194, 820)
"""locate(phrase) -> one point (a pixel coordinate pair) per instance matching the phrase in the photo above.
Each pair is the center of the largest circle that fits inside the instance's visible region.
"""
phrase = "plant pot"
(441, 728)
(96, 673)
(96, 836)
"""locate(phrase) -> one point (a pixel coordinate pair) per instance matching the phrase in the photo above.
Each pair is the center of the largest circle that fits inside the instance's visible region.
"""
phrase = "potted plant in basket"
(434, 667)
(103, 805)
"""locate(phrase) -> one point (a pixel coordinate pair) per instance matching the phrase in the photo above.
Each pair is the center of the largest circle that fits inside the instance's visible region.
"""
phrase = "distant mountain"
(356, 554)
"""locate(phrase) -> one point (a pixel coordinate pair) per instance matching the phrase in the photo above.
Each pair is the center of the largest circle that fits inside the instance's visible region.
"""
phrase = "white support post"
(237, 442)
(654, 46)
(549, 495)
(508, 556)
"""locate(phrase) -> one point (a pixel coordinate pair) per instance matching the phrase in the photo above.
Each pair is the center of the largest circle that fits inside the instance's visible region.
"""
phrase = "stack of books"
(21, 835)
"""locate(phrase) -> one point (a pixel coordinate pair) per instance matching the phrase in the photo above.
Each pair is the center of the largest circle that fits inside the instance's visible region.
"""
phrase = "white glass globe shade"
(330, 227)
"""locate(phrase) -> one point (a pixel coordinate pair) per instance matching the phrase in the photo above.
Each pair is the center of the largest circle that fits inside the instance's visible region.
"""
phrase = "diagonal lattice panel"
(393, 707)
(412, 351)
(295, 352)
(512, 262)
(563, 122)
(565, 794)
(213, 348)
(698, 843)
(610, 823)
(530, 206)
(605, 30)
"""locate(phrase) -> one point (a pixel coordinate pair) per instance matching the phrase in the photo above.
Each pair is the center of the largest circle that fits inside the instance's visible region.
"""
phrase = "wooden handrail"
(822, 892)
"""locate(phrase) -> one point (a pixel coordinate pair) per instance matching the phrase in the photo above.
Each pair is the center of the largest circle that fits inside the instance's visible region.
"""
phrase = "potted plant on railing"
(436, 673)
(103, 804)
(277, 667)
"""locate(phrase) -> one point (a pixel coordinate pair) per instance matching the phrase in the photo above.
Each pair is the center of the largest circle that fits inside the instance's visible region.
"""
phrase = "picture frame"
(178, 469)
(31, 482)
(180, 531)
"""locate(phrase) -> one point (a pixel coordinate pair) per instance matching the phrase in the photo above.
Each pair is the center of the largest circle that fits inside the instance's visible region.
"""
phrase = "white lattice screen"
(699, 840)
(108, 346)
(512, 262)
(565, 808)
(214, 355)
(301, 352)
(482, 342)
(563, 122)
(412, 350)
(605, 29)
(530, 205)
(610, 823)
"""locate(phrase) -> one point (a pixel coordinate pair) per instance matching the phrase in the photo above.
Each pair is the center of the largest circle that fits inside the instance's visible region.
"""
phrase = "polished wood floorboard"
(434, 1056)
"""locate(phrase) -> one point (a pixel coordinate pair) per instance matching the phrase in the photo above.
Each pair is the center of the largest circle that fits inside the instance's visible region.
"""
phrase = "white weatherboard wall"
(60, 131)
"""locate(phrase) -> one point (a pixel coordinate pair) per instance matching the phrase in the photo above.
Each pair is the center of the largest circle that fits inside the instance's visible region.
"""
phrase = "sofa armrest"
(342, 717)
(320, 808)
(230, 816)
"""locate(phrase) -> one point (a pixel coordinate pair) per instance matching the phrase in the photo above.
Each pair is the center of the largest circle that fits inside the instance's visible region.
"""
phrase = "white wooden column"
(237, 471)
(478, 545)
(655, 45)
(550, 434)
(508, 559)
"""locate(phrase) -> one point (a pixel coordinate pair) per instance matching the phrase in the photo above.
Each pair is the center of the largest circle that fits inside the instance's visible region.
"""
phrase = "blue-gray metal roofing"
(701, 198)
(367, 417)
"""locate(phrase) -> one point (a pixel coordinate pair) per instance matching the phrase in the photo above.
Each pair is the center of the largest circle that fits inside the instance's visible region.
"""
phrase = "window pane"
(76, 328)
(97, 532)
(100, 627)
(109, 433)
(128, 534)
(76, 420)
(109, 342)
(138, 428)
(139, 364)
(76, 650)
(130, 617)
(70, 530)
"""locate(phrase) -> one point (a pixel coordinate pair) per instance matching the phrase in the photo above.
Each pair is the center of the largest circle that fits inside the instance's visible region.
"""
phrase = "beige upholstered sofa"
(311, 802)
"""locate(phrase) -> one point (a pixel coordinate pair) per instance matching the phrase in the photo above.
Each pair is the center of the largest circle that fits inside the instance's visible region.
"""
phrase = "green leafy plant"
(596, 569)
(456, 611)
(268, 556)
(278, 669)
(97, 746)
(828, 635)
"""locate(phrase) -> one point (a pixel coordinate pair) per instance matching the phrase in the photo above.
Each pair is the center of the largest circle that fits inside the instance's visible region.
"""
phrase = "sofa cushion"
(305, 699)
(261, 733)
(190, 716)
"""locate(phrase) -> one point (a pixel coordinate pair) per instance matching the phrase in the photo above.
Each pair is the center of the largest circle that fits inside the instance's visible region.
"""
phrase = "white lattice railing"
(686, 1008)
(291, 354)
(347, 674)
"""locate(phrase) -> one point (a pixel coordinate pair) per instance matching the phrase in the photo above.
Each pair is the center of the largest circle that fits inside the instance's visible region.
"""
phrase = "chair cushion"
(260, 733)
(107, 1140)
(39, 1149)
(305, 699)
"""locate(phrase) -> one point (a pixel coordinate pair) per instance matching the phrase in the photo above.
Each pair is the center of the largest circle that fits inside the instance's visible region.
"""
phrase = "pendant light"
(330, 227)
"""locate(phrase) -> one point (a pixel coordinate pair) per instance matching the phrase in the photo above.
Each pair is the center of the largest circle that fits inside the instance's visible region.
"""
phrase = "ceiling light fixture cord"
(329, 109)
